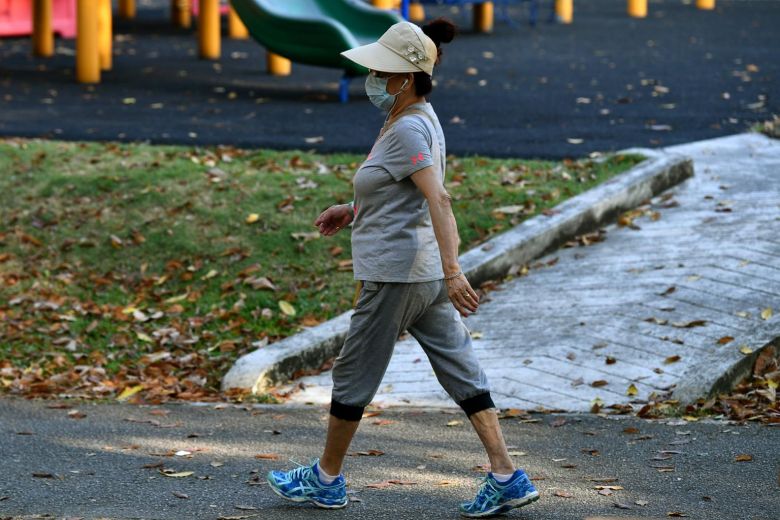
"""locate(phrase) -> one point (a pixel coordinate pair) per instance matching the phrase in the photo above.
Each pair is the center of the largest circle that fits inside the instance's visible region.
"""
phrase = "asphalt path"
(55, 463)
(604, 83)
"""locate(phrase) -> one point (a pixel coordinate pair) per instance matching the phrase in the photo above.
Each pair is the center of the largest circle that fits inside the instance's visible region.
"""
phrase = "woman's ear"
(408, 81)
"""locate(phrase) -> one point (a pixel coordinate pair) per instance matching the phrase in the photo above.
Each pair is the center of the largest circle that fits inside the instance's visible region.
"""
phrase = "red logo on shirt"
(419, 157)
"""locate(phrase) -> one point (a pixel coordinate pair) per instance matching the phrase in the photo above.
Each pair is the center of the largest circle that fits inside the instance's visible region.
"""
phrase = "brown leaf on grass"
(743, 457)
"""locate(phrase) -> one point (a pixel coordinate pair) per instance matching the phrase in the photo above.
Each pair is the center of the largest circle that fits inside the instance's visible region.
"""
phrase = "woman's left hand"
(462, 295)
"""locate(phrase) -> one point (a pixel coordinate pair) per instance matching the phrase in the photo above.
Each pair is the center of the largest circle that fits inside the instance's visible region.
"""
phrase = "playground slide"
(314, 32)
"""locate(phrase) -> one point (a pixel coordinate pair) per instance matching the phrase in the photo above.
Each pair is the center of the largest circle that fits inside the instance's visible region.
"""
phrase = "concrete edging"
(274, 364)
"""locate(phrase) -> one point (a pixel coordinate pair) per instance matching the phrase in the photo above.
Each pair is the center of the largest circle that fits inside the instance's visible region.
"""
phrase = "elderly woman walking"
(405, 252)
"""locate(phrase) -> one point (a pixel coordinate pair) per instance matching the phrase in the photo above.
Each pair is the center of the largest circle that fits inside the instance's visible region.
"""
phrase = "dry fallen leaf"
(563, 494)
(599, 383)
(671, 359)
(632, 390)
(766, 313)
(179, 474)
(743, 457)
(286, 308)
(725, 339)
(268, 456)
(252, 218)
(129, 392)
(454, 422)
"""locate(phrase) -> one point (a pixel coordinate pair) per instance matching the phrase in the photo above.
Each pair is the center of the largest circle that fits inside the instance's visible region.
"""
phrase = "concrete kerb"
(708, 378)
(275, 364)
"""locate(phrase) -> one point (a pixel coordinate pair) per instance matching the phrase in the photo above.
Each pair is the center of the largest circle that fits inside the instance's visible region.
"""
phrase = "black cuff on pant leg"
(345, 411)
(477, 403)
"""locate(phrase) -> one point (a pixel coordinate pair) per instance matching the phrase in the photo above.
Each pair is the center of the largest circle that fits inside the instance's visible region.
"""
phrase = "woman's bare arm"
(446, 230)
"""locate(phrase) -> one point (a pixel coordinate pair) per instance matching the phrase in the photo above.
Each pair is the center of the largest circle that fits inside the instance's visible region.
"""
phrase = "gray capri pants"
(383, 311)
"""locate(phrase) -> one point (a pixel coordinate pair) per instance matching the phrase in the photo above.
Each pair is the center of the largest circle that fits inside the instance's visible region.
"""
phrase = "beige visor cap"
(402, 48)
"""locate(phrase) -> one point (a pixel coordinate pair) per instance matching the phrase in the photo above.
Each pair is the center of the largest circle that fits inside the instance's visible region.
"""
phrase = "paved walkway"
(113, 461)
(595, 320)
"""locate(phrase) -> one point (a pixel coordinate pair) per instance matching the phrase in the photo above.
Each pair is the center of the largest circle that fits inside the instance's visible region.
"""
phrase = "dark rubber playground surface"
(608, 80)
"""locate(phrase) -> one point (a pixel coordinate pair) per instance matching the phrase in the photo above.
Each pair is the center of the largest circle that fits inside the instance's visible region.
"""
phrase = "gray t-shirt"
(392, 234)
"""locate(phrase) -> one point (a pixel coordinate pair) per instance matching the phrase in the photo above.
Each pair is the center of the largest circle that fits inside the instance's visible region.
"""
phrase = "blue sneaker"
(494, 498)
(303, 485)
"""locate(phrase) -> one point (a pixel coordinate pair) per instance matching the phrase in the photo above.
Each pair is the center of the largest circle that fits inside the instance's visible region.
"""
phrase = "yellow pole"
(705, 4)
(208, 29)
(383, 4)
(416, 12)
(127, 9)
(87, 58)
(565, 10)
(236, 27)
(637, 8)
(278, 65)
(43, 35)
(483, 17)
(106, 30)
(181, 13)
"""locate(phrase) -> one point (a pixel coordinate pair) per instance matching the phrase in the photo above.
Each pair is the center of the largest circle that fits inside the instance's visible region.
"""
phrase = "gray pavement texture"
(96, 463)
(593, 322)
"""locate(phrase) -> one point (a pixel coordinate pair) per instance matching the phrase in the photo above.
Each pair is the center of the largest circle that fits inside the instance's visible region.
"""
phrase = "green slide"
(315, 31)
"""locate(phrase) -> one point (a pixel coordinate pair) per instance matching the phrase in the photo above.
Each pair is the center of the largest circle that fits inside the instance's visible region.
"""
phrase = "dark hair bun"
(440, 31)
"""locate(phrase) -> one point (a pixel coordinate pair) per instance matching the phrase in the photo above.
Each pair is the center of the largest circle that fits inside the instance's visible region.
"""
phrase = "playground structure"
(94, 31)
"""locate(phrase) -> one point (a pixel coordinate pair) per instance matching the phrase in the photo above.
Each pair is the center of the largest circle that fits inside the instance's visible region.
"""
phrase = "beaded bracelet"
(450, 277)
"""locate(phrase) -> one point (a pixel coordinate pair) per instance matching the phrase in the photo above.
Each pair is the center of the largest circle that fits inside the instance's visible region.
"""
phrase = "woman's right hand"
(333, 219)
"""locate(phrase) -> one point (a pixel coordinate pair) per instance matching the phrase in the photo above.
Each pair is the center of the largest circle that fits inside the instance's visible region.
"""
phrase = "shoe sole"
(505, 508)
(301, 500)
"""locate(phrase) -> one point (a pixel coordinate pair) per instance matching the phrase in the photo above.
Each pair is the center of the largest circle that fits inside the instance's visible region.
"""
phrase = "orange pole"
(236, 27)
(87, 55)
(705, 4)
(208, 29)
(637, 8)
(278, 65)
(127, 9)
(565, 10)
(181, 13)
(43, 35)
(105, 28)
(483, 17)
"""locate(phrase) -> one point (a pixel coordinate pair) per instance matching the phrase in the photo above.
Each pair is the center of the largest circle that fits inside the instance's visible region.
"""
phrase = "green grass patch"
(112, 255)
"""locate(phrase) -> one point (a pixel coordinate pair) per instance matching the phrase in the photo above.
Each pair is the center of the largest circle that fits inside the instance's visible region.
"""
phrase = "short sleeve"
(408, 148)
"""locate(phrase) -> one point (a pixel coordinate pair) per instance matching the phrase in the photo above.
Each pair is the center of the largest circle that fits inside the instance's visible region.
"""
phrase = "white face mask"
(376, 89)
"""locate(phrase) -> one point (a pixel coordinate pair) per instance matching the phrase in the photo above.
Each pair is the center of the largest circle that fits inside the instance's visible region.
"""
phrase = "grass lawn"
(145, 271)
